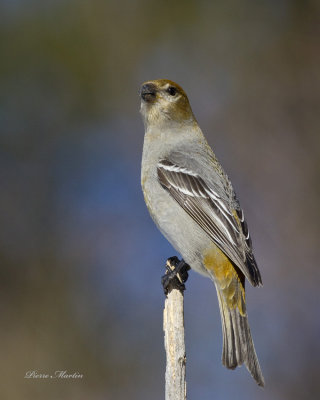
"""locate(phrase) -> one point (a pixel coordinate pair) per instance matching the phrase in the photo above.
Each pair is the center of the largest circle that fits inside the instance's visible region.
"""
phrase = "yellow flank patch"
(226, 277)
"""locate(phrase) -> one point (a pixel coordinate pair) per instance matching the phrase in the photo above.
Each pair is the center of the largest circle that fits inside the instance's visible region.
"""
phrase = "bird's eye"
(172, 90)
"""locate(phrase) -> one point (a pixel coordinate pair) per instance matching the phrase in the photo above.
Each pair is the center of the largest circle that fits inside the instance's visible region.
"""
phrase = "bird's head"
(164, 101)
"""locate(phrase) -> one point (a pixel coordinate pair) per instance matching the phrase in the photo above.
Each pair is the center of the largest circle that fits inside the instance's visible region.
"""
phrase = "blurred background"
(80, 258)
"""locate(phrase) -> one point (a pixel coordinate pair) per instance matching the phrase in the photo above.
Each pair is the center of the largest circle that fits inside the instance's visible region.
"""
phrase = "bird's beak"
(148, 92)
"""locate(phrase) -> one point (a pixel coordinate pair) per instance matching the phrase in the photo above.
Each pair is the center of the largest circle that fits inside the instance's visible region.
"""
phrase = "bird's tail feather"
(238, 347)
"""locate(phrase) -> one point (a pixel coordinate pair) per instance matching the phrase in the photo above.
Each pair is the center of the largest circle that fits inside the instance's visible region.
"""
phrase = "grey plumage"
(191, 200)
(238, 347)
(211, 212)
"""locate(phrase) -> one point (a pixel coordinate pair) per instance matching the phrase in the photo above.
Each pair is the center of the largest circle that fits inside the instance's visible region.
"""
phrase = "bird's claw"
(176, 275)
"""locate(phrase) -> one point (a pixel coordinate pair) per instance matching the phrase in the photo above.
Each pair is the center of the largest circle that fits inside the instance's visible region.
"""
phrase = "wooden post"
(173, 326)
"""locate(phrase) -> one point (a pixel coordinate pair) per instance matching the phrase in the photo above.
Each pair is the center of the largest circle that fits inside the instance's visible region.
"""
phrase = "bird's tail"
(238, 347)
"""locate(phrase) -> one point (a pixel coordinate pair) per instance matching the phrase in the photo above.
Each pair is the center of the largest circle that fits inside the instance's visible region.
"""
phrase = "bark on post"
(173, 326)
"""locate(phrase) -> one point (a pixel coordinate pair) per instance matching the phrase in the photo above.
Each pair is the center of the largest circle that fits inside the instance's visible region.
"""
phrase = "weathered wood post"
(173, 326)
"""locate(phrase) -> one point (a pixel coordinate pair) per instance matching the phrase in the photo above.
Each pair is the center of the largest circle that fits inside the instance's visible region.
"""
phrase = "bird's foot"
(176, 275)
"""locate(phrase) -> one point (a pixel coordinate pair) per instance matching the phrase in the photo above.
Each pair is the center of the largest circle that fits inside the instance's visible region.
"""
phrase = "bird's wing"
(226, 227)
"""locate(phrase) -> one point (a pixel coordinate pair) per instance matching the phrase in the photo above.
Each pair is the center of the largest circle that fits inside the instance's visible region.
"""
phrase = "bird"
(191, 200)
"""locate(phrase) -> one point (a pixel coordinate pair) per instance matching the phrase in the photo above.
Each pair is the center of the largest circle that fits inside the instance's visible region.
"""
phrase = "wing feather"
(212, 214)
